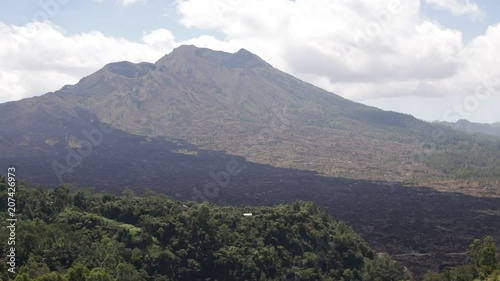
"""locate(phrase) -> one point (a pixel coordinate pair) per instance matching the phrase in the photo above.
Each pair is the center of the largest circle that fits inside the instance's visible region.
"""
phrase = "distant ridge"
(471, 127)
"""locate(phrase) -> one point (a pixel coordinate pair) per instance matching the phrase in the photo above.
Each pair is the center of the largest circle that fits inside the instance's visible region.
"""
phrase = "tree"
(35, 267)
(136, 257)
(80, 200)
(433, 276)
(78, 272)
(483, 253)
(60, 197)
(384, 269)
(128, 193)
(50, 277)
(127, 272)
(22, 277)
(98, 274)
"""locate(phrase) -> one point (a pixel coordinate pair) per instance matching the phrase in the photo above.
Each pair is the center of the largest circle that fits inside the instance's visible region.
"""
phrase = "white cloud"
(160, 39)
(459, 7)
(39, 57)
(127, 2)
(358, 48)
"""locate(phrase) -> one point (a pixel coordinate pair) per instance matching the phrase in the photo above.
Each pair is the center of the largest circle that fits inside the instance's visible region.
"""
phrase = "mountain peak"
(245, 59)
(241, 59)
(185, 49)
(244, 51)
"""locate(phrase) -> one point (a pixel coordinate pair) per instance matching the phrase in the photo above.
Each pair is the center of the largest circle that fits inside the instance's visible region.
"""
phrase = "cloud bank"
(39, 57)
(358, 48)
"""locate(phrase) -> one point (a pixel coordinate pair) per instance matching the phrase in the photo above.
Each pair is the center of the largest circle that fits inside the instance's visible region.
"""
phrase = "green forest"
(72, 234)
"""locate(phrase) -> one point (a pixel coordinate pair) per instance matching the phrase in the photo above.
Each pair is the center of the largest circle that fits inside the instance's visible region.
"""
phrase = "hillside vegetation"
(238, 104)
(70, 234)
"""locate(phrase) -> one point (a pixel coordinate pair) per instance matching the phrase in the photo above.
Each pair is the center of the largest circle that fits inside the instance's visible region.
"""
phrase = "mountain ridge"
(473, 127)
(239, 104)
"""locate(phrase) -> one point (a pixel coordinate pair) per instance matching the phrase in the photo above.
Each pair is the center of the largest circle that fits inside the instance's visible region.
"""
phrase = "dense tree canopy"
(74, 235)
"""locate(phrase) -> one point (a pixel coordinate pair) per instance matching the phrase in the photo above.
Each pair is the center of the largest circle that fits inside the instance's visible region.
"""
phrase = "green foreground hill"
(64, 234)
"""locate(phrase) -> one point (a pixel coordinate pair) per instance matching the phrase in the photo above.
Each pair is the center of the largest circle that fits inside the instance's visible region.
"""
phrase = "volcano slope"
(240, 104)
(174, 124)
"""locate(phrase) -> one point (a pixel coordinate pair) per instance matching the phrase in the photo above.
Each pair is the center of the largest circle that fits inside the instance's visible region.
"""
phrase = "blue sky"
(429, 58)
(470, 28)
(131, 21)
(108, 17)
